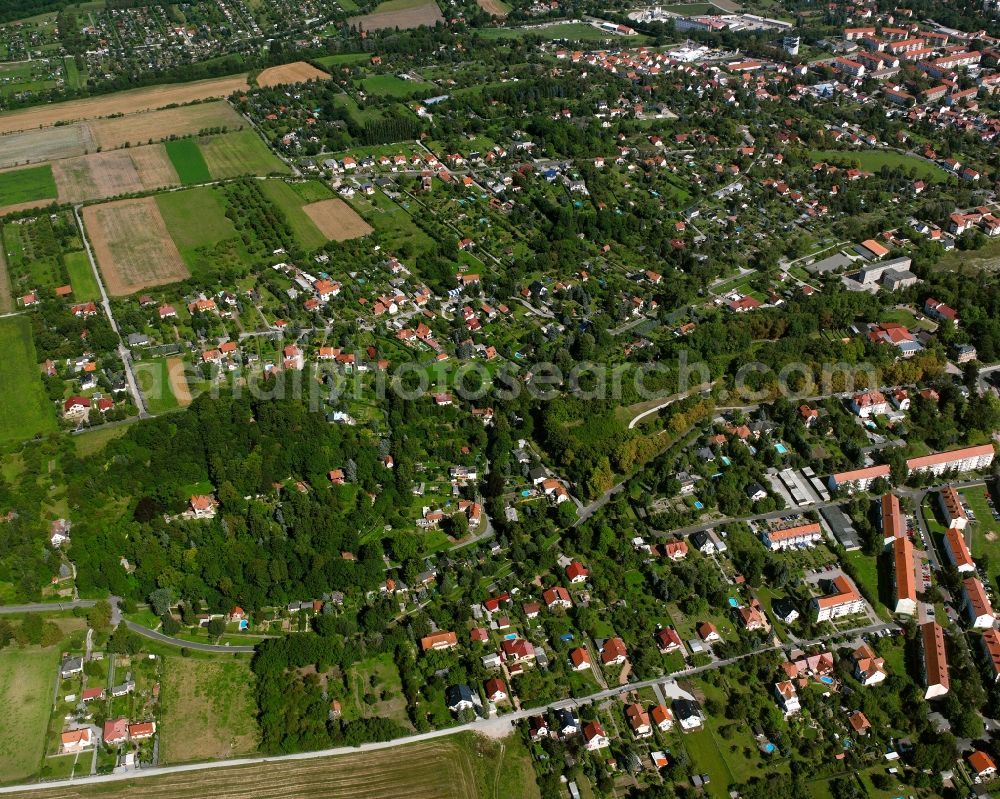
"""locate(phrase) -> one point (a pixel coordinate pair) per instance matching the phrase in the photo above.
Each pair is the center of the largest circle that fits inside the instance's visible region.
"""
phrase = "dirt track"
(133, 248)
(299, 72)
(128, 102)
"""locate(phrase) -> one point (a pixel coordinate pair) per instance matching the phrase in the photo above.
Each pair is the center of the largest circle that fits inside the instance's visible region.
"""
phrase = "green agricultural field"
(874, 160)
(312, 191)
(285, 197)
(208, 709)
(26, 185)
(25, 410)
(81, 277)
(26, 680)
(195, 218)
(343, 59)
(391, 86)
(186, 156)
(241, 153)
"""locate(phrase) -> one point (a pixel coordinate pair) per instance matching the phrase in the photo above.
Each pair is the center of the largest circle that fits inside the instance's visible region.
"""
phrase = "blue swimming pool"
(826, 680)
(526, 493)
(698, 505)
(733, 603)
(725, 460)
(769, 747)
(781, 448)
(510, 636)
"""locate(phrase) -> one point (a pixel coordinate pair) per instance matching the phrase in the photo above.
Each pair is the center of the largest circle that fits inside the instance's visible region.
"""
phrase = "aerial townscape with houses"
(481, 399)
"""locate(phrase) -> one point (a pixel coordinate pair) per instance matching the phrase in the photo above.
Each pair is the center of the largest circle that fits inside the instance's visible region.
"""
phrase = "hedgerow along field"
(25, 410)
(205, 237)
(288, 201)
(458, 767)
(187, 159)
(26, 185)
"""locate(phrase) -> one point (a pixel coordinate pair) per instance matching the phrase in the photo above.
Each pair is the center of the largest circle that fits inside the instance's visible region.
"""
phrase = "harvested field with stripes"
(108, 174)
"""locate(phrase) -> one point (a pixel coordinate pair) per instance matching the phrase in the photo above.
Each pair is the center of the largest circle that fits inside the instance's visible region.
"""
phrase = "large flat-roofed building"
(967, 459)
(904, 577)
(935, 660)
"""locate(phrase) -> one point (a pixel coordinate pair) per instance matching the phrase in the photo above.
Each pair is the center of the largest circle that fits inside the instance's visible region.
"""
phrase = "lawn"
(25, 411)
(984, 533)
(208, 709)
(377, 676)
(391, 86)
(241, 153)
(27, 677)
(186, 156)
(874, 160)
(286, 198)
(25, 185)
(81, 277)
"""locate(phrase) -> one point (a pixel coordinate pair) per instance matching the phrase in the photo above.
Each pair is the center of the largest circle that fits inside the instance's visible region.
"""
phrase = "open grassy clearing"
(128, 102)
(6, 299)
(187, 159)
(874, 160)
(207, 710)
(25, 410)
(343, 59)
(95, 440)
(392, 86)
(303, 228)
(132, 246)
(195, 218)
(25, 185)
(81, 277)
(242, 153)
(27, 677)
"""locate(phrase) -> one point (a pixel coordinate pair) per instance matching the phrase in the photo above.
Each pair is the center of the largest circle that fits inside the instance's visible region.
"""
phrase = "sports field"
(24, 408)
(208, 710)
(241, 153)
(187, 159)
(132, 246)
(457, 767)
(25, 185)
(27, 677)
(874, 160)
(81, 277)
(303, 228)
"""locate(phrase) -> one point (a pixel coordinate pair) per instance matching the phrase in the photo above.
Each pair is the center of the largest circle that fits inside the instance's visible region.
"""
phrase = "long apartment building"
(904, 577)
(802, 535)
(857, 479)
(845, 600)
(952, 509)
(958, 551)
(991, 649)
(967, 459)
(891, 519)
(935, 660)
(977, 604)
